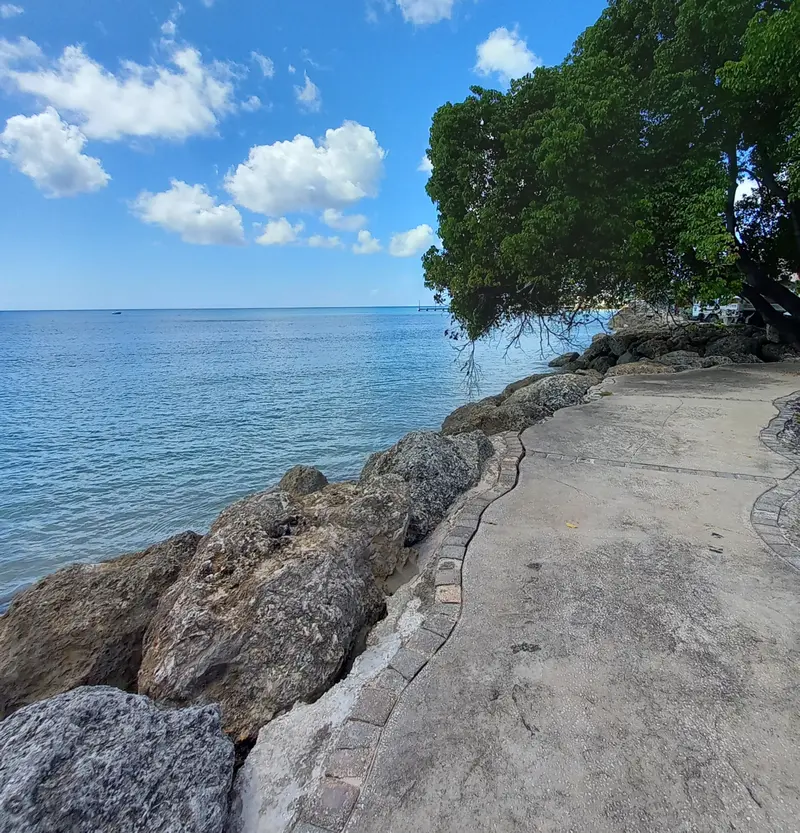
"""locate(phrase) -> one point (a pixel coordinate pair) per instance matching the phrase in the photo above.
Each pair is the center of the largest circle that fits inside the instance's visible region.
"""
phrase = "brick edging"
(330, 806)
(766, 513)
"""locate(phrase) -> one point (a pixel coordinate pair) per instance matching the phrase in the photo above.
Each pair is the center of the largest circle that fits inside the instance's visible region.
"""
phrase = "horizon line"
(221, 309)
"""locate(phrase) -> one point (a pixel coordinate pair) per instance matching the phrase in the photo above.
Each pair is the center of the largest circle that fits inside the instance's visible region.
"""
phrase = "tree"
(616, 172)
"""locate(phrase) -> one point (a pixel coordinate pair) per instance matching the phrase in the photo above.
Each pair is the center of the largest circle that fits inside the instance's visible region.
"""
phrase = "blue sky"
(216, 153)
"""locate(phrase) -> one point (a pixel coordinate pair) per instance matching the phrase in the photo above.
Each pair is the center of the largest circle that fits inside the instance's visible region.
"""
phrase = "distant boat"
(116, 313)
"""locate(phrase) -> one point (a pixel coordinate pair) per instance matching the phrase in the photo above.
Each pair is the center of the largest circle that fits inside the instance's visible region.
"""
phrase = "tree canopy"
(615, 174)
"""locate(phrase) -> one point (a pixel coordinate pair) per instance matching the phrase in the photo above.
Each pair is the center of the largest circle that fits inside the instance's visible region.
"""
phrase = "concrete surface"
(628, 656)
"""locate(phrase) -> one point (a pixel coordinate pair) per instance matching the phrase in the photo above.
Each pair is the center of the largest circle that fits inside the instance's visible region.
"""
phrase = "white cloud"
(169, 27)
(424, 12)
(138, 101)
(292, 69)
(318, 241)
(280, 233)
(308, 96)
(506, 54)
(343, 222)
(192, 212)
(425, 166)
(251, 104)
(13, 52)
(10, 10)
(367, 244)
(300, 175)
(266, 65)
(413, 242)
(48, 150)
(208, 3)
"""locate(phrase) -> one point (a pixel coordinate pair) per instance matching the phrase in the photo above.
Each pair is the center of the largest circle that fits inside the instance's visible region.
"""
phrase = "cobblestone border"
(331, 805)
(766, 512)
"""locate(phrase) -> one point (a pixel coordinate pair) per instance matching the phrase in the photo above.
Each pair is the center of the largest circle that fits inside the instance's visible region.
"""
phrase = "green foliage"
(614, 173)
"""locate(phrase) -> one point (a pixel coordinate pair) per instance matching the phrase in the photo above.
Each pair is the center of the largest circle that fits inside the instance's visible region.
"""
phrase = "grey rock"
(566, 358)
(772, 334)
(602, 364)
(600, 346)
(744, 358)
(639, 369)
(652, 348)
(84, 624)
(436, 470)
(97, 759)
(377, 511)
(265, 615)
(638, 314)
(733, 345)
(490, 418)
(679, 357)
(303, 480)
(626, 358)
(518, 385)
(714, 361)
(772, 352)
(554, 392)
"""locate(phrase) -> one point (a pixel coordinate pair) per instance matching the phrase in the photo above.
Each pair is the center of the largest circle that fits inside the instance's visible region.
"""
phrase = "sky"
(238, 153)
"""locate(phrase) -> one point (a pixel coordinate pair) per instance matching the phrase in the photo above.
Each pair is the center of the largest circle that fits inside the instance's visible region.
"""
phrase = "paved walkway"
(628, 656)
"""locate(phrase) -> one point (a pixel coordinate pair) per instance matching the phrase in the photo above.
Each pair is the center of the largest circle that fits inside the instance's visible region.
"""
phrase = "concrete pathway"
(628, 655)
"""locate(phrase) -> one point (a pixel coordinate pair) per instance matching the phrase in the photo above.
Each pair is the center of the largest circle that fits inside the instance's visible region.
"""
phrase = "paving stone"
(764, 516)
(305, 827)
(349, 763)
(449, 594)
(425, 642)
(331, 805)
(355, 735)
(408, 662)
(459, 540)
(448, 571)
(374, 705)
(439, 623)
(460, 531)
(391, 681)
(455, 553)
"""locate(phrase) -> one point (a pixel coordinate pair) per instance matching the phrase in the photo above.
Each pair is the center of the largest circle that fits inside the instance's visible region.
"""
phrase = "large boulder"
(377, 511)
(266, 614)
(303, 480)
(554, 392)
(600, 346)
(437, 470)
(518, 385)
(773, 352)
(98, 759)
(652, 348)
(733, 345)
(84, 624)
(602, 364)
(639, 369)
(566, 358)
(638, 314)
(490, 418)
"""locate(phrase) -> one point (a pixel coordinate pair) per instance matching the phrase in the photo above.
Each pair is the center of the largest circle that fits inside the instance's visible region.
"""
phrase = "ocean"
(117, 431)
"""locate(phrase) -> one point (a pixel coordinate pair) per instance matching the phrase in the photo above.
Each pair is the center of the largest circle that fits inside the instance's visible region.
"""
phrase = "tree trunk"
(787, 326)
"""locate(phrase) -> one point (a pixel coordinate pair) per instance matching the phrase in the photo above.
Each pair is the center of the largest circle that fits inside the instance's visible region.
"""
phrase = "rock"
(553, 392)
(714, 361)
(679, 357)
(652, 348)
(265, 615)
(732, 345)
(435, 468)
(744, 358)
(303, 480)
(626, 358)
(378, 511)
(84, 624)
(638, 314)
(522, 383)
(772, 334)
(779, 352)
(639, 369)
(98, 759)
(600, 346)
(602, 364)
(490, 418)
(566, 358)
(476, 450)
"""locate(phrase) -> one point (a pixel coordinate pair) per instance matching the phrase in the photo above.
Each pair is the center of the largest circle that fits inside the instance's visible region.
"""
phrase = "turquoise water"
(117, 431)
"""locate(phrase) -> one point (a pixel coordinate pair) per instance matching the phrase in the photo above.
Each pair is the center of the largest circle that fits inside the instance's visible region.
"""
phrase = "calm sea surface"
(117, 431)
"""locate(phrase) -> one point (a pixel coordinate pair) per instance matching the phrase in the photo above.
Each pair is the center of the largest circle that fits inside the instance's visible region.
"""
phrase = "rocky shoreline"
(132, 683)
